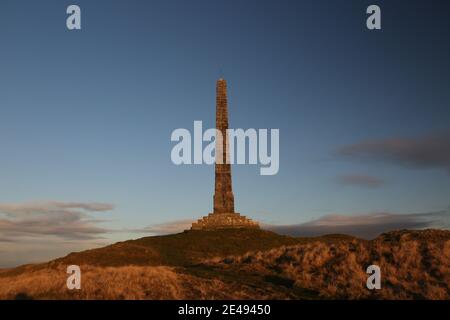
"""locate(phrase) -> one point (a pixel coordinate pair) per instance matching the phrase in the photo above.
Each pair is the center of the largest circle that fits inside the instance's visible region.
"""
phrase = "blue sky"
(86, 116)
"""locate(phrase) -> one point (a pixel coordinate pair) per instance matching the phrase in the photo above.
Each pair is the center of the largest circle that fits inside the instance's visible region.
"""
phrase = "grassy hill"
(180, 249)
(246, 264)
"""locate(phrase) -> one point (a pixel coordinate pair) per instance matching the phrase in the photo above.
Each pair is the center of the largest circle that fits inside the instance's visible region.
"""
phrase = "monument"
(223, 215)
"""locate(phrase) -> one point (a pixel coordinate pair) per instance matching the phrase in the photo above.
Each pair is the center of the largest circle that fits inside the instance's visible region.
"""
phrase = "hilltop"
(246, 264)
(180, 249)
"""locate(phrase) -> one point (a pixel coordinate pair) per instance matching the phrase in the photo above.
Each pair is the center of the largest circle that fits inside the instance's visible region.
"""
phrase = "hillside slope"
(180, 249)
(414, 265)
(246, 264)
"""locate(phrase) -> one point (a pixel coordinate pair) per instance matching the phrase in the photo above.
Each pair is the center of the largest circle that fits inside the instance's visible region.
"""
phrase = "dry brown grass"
(414, 265)
(130, 282)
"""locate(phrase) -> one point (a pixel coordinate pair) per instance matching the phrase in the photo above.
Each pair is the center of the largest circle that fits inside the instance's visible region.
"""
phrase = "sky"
(86, 117)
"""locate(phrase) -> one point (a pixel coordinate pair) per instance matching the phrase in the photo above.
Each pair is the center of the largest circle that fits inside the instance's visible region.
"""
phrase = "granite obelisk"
(223, 196)
(223, 215)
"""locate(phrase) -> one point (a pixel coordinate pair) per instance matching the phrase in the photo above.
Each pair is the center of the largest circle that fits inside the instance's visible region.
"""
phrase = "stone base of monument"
(215, 221)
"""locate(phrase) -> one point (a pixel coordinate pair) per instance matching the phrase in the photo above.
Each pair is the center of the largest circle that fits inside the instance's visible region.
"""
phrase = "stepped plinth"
(215, 221)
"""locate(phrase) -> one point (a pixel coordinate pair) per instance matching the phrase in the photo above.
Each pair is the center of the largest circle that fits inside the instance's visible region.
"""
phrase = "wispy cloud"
(68, 220)
(359, 180)
(34, 231)
(365, 225)
(431, 151)
(166, 228)
(48, 207)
